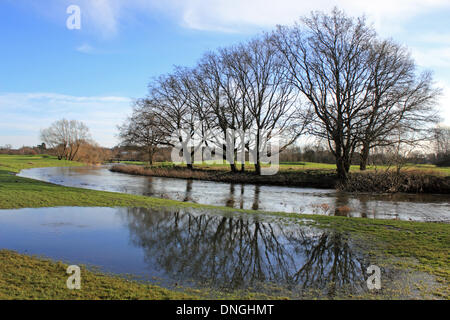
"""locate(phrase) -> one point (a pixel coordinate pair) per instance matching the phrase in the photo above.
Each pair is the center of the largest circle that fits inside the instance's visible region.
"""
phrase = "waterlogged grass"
(25, 277)
(414, 246)
(418, 246)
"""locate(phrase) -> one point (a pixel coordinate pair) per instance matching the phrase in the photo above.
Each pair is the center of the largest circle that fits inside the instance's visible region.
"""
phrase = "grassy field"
(422, 247)
(15, 163)
(300, 166)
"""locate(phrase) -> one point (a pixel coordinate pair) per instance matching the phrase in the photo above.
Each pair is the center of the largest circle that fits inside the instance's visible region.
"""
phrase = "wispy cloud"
(103, 14)
(444, 105)
(433, 58)
(85, 48)
(25, 114)
(240, 15)
(107, 16)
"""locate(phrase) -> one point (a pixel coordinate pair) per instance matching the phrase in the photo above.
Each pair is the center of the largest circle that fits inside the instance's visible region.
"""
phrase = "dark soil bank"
(304, 178)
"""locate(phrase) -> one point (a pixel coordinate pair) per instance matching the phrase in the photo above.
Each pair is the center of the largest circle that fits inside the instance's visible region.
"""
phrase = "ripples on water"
(425, 207)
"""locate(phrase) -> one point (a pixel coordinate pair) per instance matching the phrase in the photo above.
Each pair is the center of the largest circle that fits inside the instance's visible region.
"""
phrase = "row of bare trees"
(242, 88)
(329, 76)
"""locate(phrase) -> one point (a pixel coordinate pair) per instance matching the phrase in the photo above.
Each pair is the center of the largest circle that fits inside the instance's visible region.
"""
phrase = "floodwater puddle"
(192, 248)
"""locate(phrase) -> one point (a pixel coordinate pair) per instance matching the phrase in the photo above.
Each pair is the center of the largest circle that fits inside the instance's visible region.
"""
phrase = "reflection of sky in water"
(227, 252)
(269, 198)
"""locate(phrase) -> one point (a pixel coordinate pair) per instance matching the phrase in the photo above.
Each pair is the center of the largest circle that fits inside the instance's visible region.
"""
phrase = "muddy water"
(192, 248)
(427, 207)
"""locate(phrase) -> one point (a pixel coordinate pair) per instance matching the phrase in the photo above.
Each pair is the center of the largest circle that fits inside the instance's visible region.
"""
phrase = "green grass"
(16, 163)
(25, 277)
(423, 247)
(17, 192)
(299, 166)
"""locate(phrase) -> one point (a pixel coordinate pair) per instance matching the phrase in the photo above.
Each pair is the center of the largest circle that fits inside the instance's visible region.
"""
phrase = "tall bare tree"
(143, 129)
(442, 139)
(222, 101)
(178, 116)
(328, 58)
(267, 94)
(398, 97)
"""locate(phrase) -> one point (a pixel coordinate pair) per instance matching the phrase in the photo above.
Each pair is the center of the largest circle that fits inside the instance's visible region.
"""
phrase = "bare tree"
(178, 117)
(143, 129)
(441, 136)
(66, 137)
(328, 58)
(442, 139)
(266, 93)
(222, 101)
(398, 98)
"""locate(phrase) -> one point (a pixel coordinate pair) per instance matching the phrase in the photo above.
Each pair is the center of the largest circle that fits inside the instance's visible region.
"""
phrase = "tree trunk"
(258, 156)
(150, 157)
(258, 167)
(342, 171)
(233, 165)
(364, 156)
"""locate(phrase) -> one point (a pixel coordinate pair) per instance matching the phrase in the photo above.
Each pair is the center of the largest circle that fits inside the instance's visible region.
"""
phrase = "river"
(409, 207)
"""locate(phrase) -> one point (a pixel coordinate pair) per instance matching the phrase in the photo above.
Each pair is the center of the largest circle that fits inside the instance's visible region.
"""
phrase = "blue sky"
(92, 74)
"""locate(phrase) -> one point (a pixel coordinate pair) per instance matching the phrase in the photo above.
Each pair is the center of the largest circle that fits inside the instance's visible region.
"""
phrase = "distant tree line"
(441, 135)
(329, 76)
(8, 149)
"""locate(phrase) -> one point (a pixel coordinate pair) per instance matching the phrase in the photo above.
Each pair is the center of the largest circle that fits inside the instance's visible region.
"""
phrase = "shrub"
(390, 181)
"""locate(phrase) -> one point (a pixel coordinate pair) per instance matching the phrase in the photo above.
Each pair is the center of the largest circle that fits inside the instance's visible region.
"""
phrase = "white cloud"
(444, 105)
(85, 48)
(25, 114)
(101, 15)
(238, 15)
(433, 58)
(434, 38)
(106, 16)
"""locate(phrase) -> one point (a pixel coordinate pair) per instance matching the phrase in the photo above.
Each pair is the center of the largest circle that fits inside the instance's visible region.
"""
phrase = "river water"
(410, 207)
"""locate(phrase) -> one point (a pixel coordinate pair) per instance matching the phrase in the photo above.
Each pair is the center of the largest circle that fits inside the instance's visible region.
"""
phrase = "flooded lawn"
(409, 207)
(192, 248)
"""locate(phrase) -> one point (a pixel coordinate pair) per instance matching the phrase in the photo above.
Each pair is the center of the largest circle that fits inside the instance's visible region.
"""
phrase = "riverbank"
(416, 246)
(384, 181)
(322, 179)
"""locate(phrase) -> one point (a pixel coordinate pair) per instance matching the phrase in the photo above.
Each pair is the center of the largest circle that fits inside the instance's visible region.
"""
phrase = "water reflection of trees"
(230, 198)
(239, 252)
